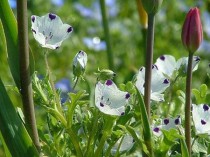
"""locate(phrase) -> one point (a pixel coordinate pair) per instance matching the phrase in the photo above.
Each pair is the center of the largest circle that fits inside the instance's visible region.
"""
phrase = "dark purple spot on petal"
(144, 85)
(166, 121)
(142, 68)
(122, 113)
(197, 59)
(134, 141)
(162, 58)
(109, 82)
(70, 29)
(176, 121)
(127, 96)
(156, 129)
(101, 104)
(203, 122)
(205, 107)
(166, 81)
(52, 16)
(57, 47)
(33, 18)
(154, 66)
(33, 31)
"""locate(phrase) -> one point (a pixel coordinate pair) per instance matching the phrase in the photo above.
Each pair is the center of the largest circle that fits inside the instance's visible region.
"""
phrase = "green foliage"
(13, 131)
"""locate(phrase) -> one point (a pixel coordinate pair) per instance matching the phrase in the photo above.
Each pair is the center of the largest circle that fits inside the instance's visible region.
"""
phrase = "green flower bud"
(79, 63)
(105, 74)
(152, 6)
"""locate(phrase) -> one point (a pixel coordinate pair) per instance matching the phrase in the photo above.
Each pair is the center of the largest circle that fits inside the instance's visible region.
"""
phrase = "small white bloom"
(109, 99)
(126, 142)
(159, 83)
(79, 63)
(168, 65)
(201, 118)
(166, 124)
(49, 30)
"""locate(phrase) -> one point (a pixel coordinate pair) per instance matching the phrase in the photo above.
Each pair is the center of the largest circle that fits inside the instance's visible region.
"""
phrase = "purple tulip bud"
(192, 33)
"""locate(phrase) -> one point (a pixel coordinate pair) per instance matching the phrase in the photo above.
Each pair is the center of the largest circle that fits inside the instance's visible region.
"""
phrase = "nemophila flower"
(201, 118)
(125, 143)
(167, 64)
(57, 2)
(109, 99)
(159, 83)
(192, 33)
(13, 4)
(79, 63)
(95, 43)
(65, 87)
(166, 124)
(49, 30)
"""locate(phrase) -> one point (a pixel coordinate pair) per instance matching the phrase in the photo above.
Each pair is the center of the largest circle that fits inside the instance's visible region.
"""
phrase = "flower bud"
(192, 33)
(105, 74)
(143, 18)
(152, 6)
(79, 63)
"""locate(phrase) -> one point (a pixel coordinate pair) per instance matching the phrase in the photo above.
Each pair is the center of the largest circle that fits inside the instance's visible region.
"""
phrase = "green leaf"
(146, 125)
(200, 94)
(13, 131)
(10, 29)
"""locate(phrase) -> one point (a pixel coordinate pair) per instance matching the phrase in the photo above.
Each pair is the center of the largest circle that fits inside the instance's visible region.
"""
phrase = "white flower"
(49, 30)
(109, 99)
(168, 65)
(125, 143)
(166, 124)
(159, 83)
(201, 118)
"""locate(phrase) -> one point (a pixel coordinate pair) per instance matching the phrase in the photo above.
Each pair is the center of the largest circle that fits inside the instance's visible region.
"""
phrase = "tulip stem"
(107, 35)
(25, 79)
(188, 103)
(149, 60)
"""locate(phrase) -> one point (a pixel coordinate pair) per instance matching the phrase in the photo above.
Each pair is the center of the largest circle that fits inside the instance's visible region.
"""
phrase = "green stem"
(77, 79)
(58, 105)
(188, 103)
(107, 35)
(90, 146)
(25, 79)
(149, 61)
(106, 133)
(75, 142)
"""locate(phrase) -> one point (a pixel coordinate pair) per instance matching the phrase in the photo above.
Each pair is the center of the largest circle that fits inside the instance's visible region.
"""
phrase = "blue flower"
(57, 2)
(13, 4)
(65, 87)
(95, 43)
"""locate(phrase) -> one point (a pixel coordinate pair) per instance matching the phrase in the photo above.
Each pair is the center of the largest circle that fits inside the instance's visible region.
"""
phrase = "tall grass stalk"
(107, 35)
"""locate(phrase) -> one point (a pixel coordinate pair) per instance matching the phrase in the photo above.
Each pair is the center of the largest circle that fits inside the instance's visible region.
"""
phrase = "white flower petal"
(159, 83)
(49, 30)
(167, 124)
(126, 145)
(166, 64)
(184, 62)
(201, 118)
(109, 99)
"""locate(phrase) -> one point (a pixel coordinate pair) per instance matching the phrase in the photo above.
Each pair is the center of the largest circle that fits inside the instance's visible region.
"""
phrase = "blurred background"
(127, 40)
